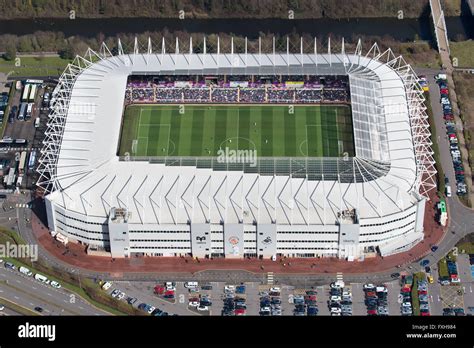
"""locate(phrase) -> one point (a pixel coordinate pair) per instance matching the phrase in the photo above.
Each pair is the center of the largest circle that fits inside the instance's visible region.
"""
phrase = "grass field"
(273, 131)
(462, 52)
(34, 66)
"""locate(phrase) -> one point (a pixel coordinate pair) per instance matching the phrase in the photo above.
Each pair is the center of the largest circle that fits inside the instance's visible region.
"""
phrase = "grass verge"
(461, 53)
(466, 248)
(7, 110)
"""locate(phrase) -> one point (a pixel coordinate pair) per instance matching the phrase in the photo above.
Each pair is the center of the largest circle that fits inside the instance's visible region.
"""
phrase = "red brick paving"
(77, 257)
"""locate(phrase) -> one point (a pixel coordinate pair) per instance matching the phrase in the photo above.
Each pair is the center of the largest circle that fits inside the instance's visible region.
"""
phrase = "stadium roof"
(81, 170)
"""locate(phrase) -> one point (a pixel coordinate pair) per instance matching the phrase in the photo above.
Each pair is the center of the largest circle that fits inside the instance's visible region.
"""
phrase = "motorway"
(29, 293)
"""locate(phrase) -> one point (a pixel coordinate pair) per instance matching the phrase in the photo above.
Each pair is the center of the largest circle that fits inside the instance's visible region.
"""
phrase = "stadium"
(238, 154)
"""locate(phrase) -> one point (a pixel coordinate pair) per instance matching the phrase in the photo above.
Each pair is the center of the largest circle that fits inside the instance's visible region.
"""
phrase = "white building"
(314, 207)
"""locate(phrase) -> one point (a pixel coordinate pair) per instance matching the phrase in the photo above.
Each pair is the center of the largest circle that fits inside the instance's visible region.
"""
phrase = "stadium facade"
(340, 207)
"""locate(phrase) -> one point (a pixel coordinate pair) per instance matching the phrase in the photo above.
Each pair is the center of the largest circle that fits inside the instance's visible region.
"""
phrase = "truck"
(61, 238)
(26, 93)
(19, 180)
(442, 213)
(32, 95)
(22, 112)
(11, 178)
(32, 160)
(29, 111)
(22, 162)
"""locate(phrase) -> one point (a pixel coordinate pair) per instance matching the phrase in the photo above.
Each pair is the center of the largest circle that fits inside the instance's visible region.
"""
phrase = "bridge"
(470, 3)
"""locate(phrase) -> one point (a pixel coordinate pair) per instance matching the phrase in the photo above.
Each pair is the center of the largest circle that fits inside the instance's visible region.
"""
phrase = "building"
(346, 208)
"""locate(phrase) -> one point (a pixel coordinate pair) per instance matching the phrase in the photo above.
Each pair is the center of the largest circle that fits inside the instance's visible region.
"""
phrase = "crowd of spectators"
(237, 88)
(169, 95)
(281, 95)
(252, 95)
(199, 95)
(225, 95)
(308, 95)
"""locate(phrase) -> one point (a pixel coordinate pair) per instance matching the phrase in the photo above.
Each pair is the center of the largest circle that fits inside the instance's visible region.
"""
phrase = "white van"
(25, 271)
(191, 285)
(41, 278)
(448, 191)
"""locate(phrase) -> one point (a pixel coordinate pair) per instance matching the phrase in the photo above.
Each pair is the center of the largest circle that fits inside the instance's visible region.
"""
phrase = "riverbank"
(221, 9)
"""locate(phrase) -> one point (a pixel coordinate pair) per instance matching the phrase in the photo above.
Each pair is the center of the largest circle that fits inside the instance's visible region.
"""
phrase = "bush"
(10, 53)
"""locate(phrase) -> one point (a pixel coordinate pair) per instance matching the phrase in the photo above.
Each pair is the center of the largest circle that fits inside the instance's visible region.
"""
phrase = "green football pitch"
(271, 130)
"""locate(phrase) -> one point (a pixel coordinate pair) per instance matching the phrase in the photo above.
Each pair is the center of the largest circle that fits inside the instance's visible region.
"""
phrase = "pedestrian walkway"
(78, 258)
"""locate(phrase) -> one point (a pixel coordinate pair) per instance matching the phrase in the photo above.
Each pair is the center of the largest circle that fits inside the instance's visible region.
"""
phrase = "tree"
(10, 53)
(67, 53)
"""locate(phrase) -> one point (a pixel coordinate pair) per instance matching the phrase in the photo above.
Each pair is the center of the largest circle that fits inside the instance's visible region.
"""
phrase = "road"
(443, 49)
(29, 293)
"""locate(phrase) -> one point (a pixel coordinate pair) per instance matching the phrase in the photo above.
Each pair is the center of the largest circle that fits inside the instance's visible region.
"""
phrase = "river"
(402, 30)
